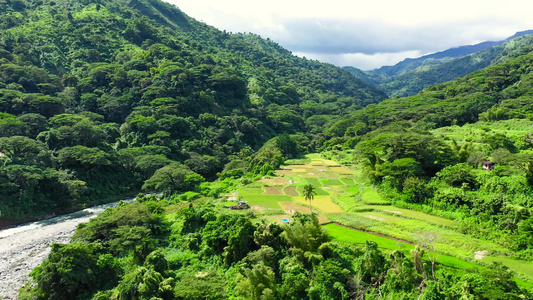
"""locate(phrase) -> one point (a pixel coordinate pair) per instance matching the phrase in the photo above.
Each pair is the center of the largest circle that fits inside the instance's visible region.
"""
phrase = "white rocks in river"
(22, 251)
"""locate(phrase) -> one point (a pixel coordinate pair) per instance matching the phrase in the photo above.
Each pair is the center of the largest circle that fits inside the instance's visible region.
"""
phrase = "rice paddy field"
(355, 212)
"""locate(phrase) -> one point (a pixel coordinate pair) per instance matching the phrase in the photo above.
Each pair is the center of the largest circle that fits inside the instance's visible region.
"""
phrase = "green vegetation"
(102, 99)
(348, 235)
(428, 153)
(134, 251)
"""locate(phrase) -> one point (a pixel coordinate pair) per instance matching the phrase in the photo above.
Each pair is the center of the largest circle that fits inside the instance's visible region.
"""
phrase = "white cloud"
(379, 30)
(362, 61)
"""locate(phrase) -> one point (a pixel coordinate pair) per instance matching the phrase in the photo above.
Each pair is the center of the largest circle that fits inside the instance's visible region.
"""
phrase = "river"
(24, 247)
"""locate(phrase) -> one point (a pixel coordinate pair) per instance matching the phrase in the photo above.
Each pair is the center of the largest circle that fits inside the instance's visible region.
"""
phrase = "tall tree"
(309, 194)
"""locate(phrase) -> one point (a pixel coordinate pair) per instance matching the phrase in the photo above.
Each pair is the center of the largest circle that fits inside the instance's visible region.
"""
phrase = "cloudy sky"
(366, 34)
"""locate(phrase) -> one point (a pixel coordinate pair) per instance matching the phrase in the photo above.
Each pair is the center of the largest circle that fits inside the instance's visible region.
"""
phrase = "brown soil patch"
(300, 167)
(291, 191)
(273, 190)
(281, 180)
(284, 172)
(232, 197)
(274, 181)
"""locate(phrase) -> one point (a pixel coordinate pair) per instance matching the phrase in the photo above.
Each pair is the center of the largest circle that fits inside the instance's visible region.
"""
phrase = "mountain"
(97, 97)
(410, 76)
(498, 92)
(432, 59)
(419, 186)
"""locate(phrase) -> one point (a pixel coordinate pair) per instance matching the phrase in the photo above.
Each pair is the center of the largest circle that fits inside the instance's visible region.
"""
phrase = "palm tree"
(309, 194)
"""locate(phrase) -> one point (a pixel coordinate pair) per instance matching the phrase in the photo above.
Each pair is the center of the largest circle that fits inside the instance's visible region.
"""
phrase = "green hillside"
(429, 152)
(497, 92)
(96, 96)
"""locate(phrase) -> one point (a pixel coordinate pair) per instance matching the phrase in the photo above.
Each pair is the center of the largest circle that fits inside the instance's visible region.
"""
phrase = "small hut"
(240, 205)
(487, 165)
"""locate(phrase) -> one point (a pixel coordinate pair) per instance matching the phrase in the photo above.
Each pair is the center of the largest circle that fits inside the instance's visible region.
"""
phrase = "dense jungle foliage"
(134, 252)
(100, 99)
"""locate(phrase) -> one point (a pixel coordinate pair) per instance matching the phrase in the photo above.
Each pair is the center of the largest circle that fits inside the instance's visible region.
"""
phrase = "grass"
(297, 161)
(265, 201)
(348, 235)
(522, 283)
(524, 268)
(256, 190)
(371, 196)
(380, 216)
(351, 190)
(406, 213)
(420, 216)
(328, 182)
(314, 181)
(348, 181)
(343, 234)
(279, 218)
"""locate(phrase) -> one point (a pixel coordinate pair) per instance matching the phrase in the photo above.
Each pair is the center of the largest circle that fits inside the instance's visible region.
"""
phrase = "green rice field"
(348, 235)
(346, 197)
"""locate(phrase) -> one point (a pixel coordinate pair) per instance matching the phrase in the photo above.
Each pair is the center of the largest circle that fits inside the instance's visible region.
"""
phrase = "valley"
(259, 174)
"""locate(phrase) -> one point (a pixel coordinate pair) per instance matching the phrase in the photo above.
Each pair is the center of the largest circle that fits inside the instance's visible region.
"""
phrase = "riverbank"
(24, 247)
(24, 250)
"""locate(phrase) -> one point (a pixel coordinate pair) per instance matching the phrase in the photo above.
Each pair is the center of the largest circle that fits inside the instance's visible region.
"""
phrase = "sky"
(366, 34)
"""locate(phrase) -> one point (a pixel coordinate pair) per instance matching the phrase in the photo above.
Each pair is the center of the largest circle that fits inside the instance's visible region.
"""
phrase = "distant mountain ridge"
(410, 63)
(411, 75)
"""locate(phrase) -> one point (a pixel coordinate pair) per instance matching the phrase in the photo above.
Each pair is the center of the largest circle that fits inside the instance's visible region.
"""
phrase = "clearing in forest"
(344, 195)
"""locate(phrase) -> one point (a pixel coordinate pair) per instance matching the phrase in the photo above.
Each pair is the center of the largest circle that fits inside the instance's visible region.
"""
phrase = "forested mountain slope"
(96, 96)
(504, 88)
(410, 76)
(426, 151)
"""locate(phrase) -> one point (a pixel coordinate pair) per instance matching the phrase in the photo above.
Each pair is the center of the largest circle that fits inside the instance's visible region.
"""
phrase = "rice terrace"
(354, 212)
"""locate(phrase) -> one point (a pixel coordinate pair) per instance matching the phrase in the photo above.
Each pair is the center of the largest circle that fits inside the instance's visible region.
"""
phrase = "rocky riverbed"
(24, 247)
